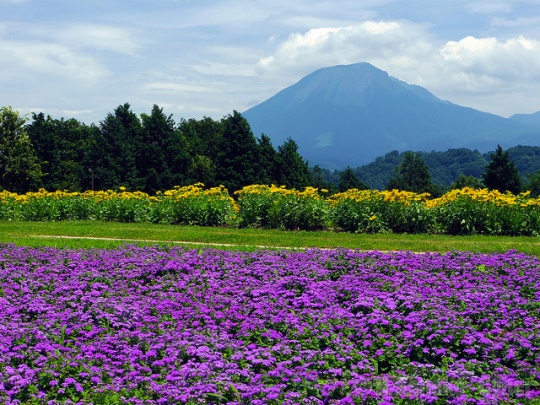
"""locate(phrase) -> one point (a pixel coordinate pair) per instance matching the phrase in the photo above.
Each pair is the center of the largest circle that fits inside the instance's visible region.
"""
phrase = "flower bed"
(462, 212)
(171, 326)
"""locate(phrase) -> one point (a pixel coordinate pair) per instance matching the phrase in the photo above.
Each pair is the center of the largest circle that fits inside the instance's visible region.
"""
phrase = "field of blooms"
(459, 212)
(161, 325)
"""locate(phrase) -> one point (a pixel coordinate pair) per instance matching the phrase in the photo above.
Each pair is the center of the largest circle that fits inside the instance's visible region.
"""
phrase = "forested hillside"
(445, 167)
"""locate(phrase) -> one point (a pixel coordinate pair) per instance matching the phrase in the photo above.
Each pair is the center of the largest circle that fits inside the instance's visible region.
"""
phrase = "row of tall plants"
(459, 212)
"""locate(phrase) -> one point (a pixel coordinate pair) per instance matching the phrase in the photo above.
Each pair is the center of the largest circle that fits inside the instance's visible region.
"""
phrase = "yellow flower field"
(464, 211)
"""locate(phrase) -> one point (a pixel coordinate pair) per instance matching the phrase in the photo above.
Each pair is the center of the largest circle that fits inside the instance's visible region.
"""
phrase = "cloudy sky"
(195, 58)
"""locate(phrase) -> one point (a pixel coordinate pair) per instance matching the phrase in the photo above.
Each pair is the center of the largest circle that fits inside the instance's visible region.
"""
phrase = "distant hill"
(530, 119)
(445, 167)
(349, 115)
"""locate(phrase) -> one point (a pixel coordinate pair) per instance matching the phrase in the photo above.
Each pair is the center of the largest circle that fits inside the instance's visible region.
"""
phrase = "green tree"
(202, 170)
(319, 180)
(20, 169)
(268, 161)
(411, 174)
(203, 136)
(533, 183)
(501, 173)
(115, 158)
(293, 170)
(348, 180)
(161, 156)
(62, 147)
(463, 181)
(238, 159)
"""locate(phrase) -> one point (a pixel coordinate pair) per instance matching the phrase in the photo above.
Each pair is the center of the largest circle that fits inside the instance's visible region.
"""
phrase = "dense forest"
(152, 152)
(147, 153)
(446, 167)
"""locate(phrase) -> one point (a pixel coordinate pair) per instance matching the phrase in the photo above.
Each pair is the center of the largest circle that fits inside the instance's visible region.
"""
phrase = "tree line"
(147, 153)
(152, 152)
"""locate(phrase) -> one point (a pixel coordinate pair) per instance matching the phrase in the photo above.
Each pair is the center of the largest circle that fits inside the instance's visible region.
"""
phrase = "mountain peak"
(351, 114)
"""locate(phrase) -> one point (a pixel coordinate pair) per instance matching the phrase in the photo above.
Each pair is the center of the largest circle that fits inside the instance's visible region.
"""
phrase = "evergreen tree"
(293, 170)
(411, 174)
(115, 157)
(348, 180)
(155, 162)
(238, 158)
(268, 161)
(501, 173)
(62, 147)
(203, 137)
(20, 170)
(319, 181)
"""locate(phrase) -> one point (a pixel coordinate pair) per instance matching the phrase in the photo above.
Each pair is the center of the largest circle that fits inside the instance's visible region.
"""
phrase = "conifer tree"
(293, 170)
(348, 180)
(268, 161)
(238, 158)
(115, 154)
(411, 174)
(501, 173)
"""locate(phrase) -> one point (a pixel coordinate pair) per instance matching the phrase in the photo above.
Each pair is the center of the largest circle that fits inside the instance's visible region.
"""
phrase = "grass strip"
(88, 234)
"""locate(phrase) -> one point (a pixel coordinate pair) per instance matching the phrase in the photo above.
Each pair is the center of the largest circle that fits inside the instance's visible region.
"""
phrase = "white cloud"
(175, 87)
(25, 59)
(478, 72)
(513, 61)
(384, 44)
(100, 37)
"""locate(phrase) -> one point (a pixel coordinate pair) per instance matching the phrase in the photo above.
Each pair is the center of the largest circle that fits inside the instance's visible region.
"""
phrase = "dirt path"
(175, 242)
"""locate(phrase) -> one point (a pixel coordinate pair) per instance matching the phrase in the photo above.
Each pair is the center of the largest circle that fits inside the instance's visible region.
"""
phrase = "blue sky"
(195, 58)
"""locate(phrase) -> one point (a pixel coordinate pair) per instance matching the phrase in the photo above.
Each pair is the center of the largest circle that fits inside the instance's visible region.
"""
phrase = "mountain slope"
(531, 119)
(349, 115)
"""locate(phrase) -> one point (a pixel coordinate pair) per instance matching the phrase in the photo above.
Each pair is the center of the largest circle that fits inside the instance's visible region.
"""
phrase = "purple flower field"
(160, 325)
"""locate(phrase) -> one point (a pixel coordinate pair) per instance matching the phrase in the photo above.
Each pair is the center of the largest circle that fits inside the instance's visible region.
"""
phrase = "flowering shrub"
(470, 211)
(194, 205)
(465, 211)
(281, 208)
(172, 326)
(182, 205)
(380, 211)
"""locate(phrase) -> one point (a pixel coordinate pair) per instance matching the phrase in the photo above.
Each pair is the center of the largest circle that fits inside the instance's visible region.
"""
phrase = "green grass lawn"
(87, 234)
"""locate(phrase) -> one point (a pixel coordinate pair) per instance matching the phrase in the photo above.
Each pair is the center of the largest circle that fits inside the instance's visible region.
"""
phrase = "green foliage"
(268, 161)
(276, 207)
(361, 215)
(526, 158)
(116, 148)
(319, 179)
(238, 159)
(159, 153)
(349, 180)
(463, 181)
(374, 212)
(501, 173)
(19, 166)
(411, 174)
(533, 183)
(292, 169)
(65, 150)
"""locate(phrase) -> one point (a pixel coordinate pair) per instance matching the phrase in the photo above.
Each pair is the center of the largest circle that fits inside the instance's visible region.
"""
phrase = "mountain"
(531, 119)
(348, 115)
